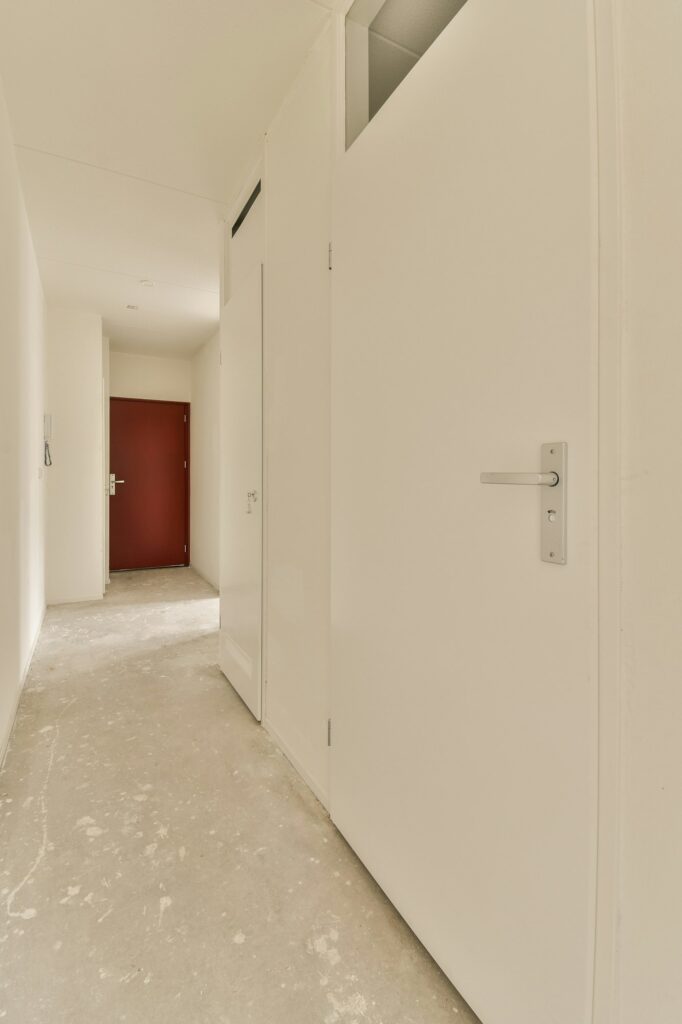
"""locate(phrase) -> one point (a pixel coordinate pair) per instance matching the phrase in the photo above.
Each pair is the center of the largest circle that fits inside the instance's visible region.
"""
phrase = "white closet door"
(464, 708)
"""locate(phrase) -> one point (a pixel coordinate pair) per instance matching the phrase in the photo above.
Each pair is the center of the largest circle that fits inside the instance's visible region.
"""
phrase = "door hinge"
(185, 549)
(185, 417)
(185, 463)
(331, 253)
(329, 732)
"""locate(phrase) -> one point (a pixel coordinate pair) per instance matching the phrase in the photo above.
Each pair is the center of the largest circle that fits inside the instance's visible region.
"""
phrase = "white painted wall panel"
(155, 377)
(75, 510)
(297, 368)
(22, 585)
(245, 249)
(205, 461)
(106, 416)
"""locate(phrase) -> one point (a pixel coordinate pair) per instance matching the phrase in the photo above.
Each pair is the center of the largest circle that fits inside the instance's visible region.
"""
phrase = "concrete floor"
(161, 860)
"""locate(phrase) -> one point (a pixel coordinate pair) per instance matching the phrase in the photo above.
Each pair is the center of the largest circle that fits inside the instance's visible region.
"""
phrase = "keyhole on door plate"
(551, 515)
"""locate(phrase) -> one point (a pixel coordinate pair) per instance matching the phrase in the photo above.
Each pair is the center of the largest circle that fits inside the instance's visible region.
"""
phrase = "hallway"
(162, 861)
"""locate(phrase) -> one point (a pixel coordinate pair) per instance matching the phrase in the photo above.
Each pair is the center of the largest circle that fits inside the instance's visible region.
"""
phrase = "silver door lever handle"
(538, 479)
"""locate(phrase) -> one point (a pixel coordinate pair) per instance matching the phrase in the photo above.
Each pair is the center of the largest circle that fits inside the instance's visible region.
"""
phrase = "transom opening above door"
(384, 41)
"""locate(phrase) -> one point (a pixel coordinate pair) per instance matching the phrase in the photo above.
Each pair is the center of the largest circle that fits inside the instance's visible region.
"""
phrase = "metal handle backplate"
(552, 481)
(112, 483)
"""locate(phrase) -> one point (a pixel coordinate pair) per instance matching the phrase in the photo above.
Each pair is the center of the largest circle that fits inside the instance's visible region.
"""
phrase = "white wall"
(105, 462)
(245, 249)
(205, 461)
(297, 404)
(22, 593)
(75, 510)
(651, 826)
(155, 377)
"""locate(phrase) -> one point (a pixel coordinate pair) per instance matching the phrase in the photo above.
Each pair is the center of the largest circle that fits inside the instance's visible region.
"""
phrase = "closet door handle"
(538, 479)
(552, 482)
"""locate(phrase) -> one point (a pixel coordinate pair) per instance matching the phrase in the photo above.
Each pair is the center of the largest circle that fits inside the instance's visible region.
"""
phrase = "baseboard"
(52, 603)
(204, 577)
(321, 794)
(4, 745)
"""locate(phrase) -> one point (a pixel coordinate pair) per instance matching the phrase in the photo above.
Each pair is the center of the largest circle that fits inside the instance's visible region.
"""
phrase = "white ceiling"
(135, 124)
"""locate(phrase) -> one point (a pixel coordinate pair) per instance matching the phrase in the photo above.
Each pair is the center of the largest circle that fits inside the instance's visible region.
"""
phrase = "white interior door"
(242, 486)
(464, 705)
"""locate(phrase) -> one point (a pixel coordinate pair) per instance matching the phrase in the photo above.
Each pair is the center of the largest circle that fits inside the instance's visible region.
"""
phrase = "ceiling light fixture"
(146, 283)
(132, 307)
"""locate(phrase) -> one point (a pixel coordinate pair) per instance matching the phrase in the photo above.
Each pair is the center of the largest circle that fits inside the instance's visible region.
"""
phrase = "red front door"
(149, 511)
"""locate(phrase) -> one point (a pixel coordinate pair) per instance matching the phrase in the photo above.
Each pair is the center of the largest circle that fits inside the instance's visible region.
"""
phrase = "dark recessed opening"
(245, 212)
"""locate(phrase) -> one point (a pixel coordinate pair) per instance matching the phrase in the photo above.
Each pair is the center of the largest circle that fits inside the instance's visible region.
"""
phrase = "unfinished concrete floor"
(162, 861)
